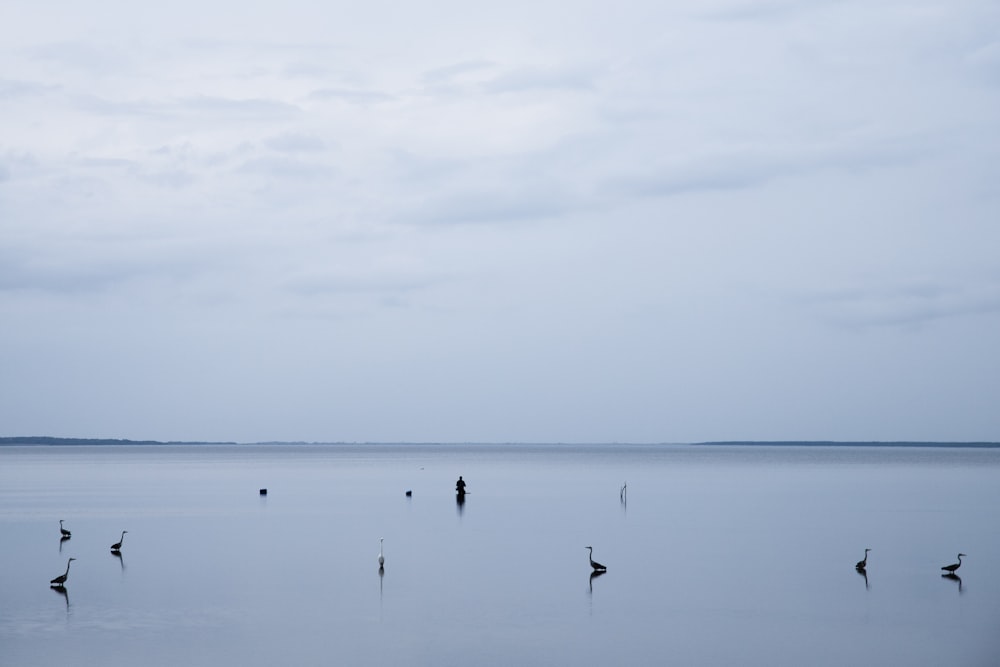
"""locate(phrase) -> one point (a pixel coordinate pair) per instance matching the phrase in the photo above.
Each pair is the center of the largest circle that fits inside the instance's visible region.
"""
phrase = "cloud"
(286, 168)
(527, 79)
(255, 108)
(350, 96)
(752, 166)
(906, 306)
(292, 142)
(14, 89)
(450, 74)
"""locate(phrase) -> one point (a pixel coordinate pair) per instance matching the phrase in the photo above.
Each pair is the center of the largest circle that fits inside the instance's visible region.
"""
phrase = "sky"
(500, 222)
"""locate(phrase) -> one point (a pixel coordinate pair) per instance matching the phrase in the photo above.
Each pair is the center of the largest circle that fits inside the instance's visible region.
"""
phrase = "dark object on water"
(954, 566)
(409, 493)
(460, 486)
(594, 564)
(263, 492)
(62, 531)
(117, 546)
(61, 579)
(862, 564)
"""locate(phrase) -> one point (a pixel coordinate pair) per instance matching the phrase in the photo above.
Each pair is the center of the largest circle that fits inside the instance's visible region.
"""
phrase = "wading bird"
(954, 566)
(862, 564)
(63, 531)
(381, 558)
(61, 579)
(118, 545)
(594, 564)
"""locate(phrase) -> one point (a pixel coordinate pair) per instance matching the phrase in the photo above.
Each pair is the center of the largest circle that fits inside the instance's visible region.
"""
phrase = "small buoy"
(263, 492)
(409, 493)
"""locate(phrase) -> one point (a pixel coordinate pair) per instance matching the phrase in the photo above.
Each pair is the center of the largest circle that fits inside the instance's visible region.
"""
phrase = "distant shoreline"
(53, 441)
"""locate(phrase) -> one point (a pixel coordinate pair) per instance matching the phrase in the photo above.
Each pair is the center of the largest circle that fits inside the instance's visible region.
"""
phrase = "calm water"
(721, 556)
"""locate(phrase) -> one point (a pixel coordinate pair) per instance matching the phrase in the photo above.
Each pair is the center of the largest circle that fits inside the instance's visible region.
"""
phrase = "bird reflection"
(594, 575)
(121, 560)
(954, 577)
(61, 590)
(64, 538)
(864, 573)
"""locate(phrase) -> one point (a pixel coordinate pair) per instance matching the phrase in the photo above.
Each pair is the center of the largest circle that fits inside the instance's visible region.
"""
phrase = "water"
(721, 555)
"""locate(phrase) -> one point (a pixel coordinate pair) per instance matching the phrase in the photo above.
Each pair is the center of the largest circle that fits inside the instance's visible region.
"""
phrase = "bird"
(118, 545)
(63, 531)
(594, 564)
(862, 564)
(381, 558)
(61, 579)
(954, 566)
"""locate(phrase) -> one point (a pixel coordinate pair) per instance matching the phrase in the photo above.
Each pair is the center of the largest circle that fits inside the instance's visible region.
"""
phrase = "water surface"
(721, 555)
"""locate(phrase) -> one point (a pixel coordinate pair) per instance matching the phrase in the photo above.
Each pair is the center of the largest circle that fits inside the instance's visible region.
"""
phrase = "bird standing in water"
(954, 566)
(63, 531)
(61, 579)
(381, 558)
(862, 564)
(118, 545)
(594, 564)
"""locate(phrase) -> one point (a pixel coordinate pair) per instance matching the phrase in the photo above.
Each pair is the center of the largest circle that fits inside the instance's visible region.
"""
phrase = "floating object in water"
(409, 493)
(954, 566)
(594, 564)
(263, 492)
(61, 579)
(118, 545)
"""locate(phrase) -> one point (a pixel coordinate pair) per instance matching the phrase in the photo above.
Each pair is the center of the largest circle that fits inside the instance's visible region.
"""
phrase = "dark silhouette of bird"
(862, 564)
(594, 564)
(954, 566)
(118, 545)
(63, 531)
(61, 579)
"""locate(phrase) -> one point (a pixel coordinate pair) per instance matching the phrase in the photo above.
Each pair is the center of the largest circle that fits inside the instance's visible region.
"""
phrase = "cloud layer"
(692, 221)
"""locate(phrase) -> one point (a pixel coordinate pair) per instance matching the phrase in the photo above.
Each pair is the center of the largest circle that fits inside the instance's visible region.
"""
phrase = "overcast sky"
(518, 221)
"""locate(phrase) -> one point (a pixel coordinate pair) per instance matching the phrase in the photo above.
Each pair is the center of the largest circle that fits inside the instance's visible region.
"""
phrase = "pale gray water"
(722, 555)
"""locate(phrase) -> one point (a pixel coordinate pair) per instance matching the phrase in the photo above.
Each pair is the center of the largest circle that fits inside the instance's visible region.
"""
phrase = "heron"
(594, 564)
(63, 531)
(863, 563)
(381, 558)
(61, 579)
(118, 545)
(954, 566)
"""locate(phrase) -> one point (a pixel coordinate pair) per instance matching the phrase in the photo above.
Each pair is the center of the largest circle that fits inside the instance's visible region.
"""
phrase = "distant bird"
(381, 558)
(594, 564)
(65, 533)
(118, 545)
(61, 579)
(954, 566)
(862, 564)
